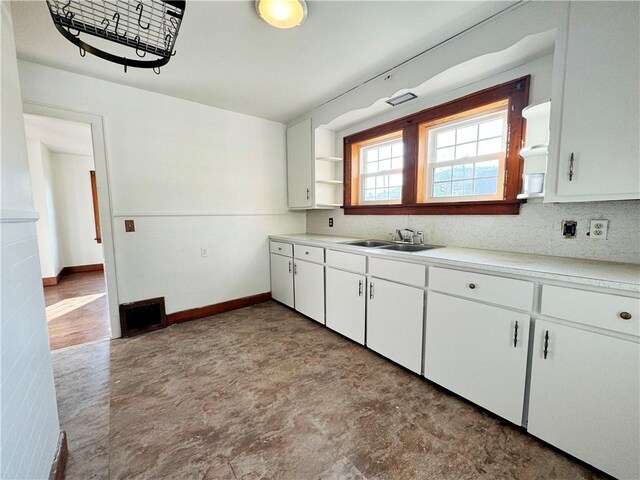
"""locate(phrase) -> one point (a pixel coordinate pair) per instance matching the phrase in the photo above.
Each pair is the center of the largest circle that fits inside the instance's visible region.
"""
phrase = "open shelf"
(330, 182)
(329, 159)
(329, 205)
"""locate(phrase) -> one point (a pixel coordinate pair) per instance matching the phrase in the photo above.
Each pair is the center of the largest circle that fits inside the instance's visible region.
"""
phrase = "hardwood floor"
(77, 310)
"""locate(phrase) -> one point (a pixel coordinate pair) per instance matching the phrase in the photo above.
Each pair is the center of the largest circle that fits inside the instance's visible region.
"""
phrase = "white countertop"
(619, 276)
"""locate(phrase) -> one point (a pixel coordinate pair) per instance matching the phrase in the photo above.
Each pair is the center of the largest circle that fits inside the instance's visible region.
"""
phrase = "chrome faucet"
(407, 235)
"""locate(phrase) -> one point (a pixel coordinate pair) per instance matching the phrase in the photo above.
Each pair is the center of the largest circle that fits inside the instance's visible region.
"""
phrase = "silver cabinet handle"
(306, 253)
(370, 290)
(571, 160)
(515, 335)
(546, 344)
(472, 286)
(359, 288)
(625, 315)
(279, 249)
(289, 266)
(295, 268)
(308, 194)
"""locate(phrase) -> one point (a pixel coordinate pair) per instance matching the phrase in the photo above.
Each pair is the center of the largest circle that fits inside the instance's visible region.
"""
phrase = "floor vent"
(142, 316)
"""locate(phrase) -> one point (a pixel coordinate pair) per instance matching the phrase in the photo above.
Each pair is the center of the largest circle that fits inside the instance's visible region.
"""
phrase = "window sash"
(363, 175)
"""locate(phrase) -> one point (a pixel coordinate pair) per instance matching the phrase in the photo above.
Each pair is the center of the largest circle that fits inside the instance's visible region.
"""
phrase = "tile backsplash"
(536, 230)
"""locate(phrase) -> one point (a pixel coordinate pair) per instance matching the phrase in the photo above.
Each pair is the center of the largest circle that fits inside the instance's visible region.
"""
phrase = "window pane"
(467, 134)
(372, 167)
(442, 189)
(492, 145)
(384, 165)
(370, 182)
(381, 181)
(462, 188)
(446, 139)
(395, 180)
(396, 163)
(487, 169)
(445, 154)
(463, 171)
(382, 194)
(441, 174)
(466, 150)
(486, 186)
(371, 154)
(369, 195)
(396, 149)
(395, 193)
(491, 129)
(384, 152)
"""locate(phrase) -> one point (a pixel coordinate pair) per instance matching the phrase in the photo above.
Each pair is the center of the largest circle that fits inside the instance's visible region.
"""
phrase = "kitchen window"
(461, 157)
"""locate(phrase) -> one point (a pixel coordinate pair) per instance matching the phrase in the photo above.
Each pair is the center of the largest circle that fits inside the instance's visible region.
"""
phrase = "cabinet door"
(299, 164)
(584, 397)
(600, 109)
(346, 303)
(282, 279)
(478, 352)
(309, 287)
(394, 322)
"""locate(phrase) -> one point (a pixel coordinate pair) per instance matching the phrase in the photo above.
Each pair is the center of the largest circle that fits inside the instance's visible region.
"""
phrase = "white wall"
(74, 209)
(192, 177)
(29, 419)
(43, 202)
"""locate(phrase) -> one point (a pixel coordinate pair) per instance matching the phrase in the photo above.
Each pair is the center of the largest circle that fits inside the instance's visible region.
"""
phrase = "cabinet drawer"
(502, 291)
(281, 248)
(409, 273)
(312, 254)
(590, 308)
(347, 261)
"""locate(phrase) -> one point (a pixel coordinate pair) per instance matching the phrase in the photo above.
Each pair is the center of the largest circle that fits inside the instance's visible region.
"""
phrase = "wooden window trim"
(517, 94)
(96, 208)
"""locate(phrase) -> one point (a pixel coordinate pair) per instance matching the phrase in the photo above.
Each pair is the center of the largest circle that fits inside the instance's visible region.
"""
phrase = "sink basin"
(368, 243)
(408, 248)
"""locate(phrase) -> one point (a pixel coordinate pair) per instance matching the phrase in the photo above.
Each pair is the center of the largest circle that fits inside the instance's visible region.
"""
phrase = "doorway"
(62, 165)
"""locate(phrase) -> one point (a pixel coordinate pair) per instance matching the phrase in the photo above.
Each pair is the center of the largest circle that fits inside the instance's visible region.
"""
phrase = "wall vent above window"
(400, 99)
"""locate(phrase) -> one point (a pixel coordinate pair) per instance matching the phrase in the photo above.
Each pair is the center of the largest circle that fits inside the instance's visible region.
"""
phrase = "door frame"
(104, 197)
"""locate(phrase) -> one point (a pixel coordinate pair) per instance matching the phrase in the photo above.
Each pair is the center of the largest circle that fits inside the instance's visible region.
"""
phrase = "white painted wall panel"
(29, 420)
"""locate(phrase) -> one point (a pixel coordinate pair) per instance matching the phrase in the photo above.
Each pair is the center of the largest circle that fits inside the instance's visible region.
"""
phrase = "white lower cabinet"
(585, 398)
(282, 279)
(479, 352)
(309, 289)
(346, 303)
(394, 322)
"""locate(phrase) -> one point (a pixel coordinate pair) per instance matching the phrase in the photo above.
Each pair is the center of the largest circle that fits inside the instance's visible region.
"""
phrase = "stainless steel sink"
(368, 243)
(408, 248)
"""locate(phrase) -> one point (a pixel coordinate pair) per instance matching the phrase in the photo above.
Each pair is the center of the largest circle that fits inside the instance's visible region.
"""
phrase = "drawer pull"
(515, 335)
(306, 253)
(279, 249)
(625, 315)
(359, 288)
(546, 343)
(472, 286)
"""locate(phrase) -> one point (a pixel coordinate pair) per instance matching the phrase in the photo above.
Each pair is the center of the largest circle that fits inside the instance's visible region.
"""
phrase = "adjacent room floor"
(266, 393)
(77, 310)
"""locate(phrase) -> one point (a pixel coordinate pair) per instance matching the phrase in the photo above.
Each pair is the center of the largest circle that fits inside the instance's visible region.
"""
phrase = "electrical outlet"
(331, 221)
(569, 228)
(598, 229)
(204, 252)
(129, 226)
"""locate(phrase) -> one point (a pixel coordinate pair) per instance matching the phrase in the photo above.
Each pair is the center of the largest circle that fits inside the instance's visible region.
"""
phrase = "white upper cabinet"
(594, 146)
(299, 165)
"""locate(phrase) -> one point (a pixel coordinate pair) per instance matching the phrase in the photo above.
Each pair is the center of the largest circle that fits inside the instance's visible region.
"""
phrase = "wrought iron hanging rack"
(148, 26)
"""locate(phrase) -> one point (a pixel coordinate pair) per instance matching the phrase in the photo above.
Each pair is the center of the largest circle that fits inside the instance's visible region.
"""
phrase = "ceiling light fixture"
(400, 99)
(282, 13)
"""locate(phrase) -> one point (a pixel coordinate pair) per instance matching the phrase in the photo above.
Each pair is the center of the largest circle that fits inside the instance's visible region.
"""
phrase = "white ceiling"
(228, 58)
(60, 136)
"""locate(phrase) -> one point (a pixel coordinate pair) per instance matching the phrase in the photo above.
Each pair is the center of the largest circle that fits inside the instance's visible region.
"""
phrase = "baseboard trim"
(200, 312)
(51, 281)
(59, 466)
